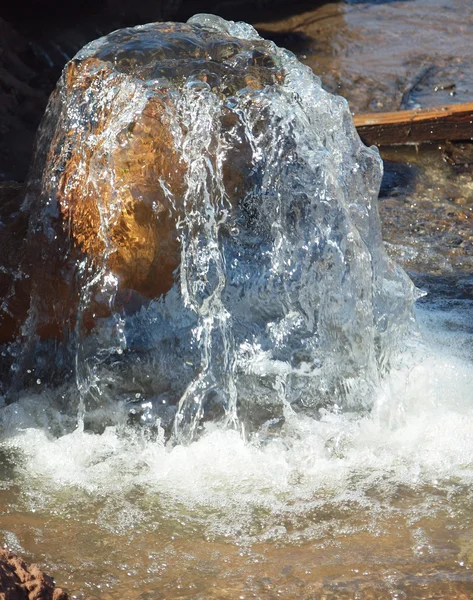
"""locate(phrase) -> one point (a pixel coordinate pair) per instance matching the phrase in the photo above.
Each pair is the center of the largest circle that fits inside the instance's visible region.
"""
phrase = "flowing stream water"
(283, 423)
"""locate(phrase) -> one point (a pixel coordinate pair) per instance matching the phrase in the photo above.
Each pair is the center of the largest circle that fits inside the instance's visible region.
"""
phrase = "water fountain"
(215, 388)
(207, 220)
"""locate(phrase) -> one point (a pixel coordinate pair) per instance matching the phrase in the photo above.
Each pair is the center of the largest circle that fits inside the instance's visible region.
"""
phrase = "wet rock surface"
(20, 581)
(107, 183)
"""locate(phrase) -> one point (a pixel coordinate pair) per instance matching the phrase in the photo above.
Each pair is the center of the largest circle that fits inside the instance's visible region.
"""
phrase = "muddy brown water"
(403, 541)
(418, 546)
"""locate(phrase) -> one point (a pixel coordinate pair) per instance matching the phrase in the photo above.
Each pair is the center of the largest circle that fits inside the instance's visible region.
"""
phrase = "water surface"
(348, 506)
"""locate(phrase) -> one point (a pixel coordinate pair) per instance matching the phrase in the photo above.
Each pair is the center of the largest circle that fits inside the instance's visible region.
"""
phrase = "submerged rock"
(19, 581)
(207, 223)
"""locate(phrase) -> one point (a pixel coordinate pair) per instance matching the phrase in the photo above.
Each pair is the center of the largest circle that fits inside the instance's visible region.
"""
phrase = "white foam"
(419, 434)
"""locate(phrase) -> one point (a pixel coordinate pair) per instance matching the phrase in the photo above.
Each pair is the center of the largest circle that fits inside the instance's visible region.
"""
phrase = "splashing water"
(272, 311)
(283, 298)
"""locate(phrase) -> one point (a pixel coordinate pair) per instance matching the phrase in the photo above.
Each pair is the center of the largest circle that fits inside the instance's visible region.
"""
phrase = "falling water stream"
(281, 422)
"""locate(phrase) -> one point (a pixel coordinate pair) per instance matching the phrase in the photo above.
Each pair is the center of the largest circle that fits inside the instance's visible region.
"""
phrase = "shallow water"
(373, 506)
(378, 506)
(386, 55)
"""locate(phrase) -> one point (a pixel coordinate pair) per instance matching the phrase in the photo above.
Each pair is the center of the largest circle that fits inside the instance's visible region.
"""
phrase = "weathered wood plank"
(452, 122)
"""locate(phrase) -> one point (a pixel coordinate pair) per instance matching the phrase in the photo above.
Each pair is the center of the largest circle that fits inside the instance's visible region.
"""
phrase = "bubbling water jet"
(207, 218)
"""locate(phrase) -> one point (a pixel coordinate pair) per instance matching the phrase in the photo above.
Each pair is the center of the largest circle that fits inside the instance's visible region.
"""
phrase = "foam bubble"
(420, 434)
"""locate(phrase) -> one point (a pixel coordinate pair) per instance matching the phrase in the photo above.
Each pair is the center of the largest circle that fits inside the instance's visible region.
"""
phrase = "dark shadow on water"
(397, 178)
(295, 41)
(248, 10)
(354, 2)
(267, 10)
(443, 290)
(96, 12)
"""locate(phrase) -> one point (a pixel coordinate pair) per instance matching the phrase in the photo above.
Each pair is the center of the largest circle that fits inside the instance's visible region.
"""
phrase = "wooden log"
(452, 122)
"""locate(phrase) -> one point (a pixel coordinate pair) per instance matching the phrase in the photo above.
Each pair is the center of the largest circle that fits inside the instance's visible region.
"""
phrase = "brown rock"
(18, 581)
(108, 181)
(141, 241)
